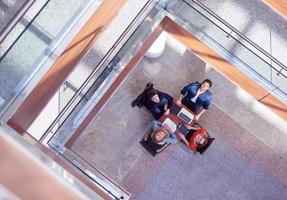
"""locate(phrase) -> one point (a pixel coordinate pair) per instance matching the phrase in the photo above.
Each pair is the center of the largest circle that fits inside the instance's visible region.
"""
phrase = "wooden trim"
(64, 65)
(275, 105)
(72, 170)
(278, 5)
(226, 69)
(203, 52)
(219, 64)
(26, 178)
(115, 84)
(72, 153)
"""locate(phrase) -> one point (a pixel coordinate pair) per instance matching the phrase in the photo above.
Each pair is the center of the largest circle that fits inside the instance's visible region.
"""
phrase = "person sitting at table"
(158, 103)
(197, 139)
(197, 97)
(162, 134)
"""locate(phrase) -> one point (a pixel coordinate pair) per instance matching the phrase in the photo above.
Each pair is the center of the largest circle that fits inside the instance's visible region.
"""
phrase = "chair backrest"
(201, 150)
(141, 98)
(150, 146)
(153, 145)
(204, 148)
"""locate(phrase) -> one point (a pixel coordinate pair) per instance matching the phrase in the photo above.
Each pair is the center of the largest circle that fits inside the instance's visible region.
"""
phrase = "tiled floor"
(237, 166)
(215, 175)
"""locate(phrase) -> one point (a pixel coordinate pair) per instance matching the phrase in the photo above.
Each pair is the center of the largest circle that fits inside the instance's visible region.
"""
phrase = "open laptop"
(185, 115)
(174, 109)
(182, 128)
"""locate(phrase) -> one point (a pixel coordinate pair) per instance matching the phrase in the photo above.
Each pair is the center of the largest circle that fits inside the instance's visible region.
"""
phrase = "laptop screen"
(174, 109)
(184, 117)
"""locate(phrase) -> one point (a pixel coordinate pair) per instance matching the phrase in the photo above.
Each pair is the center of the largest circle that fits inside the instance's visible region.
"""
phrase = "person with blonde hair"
(162, 134)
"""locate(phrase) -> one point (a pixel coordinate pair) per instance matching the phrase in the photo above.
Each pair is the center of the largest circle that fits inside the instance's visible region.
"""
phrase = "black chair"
(201, 150)
(150, 146)
(204, 148)
(141, 98)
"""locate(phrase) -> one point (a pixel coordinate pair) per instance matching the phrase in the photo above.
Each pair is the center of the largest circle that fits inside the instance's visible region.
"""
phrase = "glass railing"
(203, 24)
(104, 183)
(93, 84)
(232, 45)
(91, 91)
(11, 13)
(66, 177)
(197, 19)
(36, 48)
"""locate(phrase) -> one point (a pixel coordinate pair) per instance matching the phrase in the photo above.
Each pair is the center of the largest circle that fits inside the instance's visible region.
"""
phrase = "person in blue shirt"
(162, 134)
(158, 103)
(197, 97)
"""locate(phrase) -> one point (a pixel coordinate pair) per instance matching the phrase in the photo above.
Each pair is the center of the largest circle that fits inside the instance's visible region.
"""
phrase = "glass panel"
(18, 62)
(8, 10)
(87, 80)
(218, 35)
(51, 165)
(96, 87)
(98, 84)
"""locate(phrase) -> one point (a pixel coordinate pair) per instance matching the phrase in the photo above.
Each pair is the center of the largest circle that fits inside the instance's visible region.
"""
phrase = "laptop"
(182, 128)
(174, 109)
(185, 115)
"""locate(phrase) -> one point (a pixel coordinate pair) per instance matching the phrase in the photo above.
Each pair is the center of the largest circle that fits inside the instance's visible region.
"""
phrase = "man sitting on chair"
(158, 103)
(197, 97)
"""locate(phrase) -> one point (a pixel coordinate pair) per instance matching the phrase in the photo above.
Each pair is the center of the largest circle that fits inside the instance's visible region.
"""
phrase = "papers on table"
(170, 123)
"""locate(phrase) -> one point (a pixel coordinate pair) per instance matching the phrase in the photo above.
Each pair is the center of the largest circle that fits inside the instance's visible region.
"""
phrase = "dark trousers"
(189, 104)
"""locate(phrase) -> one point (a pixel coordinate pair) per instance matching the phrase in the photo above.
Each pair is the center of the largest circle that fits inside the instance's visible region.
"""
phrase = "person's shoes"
(134, 103)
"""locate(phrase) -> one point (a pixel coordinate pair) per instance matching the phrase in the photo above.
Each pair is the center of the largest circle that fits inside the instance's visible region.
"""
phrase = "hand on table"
(196, 117)
(178, 102)
(188, 126)
(166, 112)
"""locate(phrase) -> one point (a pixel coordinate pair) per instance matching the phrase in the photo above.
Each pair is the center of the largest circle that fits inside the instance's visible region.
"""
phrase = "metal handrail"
(69, 157)
(106, 57)
(66, 34)
(26, 27)
(237, 32)
(16, 19)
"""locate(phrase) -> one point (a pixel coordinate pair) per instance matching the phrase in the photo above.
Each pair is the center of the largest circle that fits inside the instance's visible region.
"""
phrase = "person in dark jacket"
(158, 103)
(197, 97)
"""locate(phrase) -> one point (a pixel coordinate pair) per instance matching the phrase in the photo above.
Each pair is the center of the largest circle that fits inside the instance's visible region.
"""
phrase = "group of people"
(195, 96)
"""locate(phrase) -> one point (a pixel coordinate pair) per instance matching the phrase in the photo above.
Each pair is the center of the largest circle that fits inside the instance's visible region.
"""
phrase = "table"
(175, 118)
(178, 121)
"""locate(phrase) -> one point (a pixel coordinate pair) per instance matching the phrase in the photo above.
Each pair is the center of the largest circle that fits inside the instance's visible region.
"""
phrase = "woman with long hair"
(162, 134)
